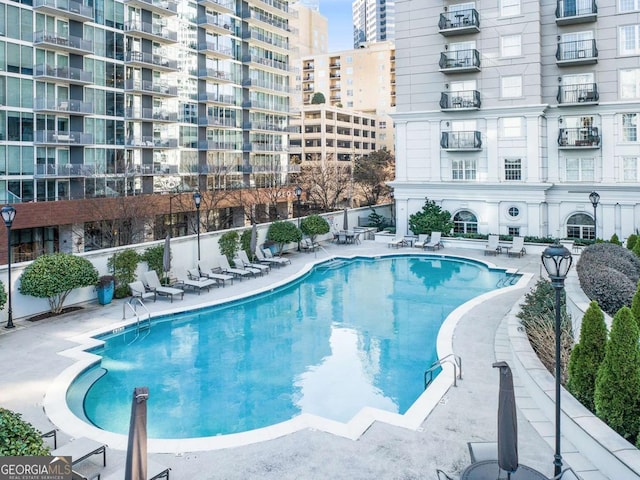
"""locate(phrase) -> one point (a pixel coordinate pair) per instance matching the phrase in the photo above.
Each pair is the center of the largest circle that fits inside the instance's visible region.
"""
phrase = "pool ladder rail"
(141, 323)
(509, 279)
(454, 360)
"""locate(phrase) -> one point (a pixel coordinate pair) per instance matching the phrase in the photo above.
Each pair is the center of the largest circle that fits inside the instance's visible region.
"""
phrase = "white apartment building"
(509, 114)
(373, 21)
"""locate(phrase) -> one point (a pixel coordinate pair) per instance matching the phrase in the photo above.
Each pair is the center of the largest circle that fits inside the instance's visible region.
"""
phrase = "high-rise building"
(128, 97)
(509, 115)
(373, 21)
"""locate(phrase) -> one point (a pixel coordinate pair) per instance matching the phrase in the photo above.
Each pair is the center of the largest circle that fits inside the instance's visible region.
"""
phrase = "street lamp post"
(298, 192)
(197, 198)
(8, 214)
(557, 260)
(594, 198)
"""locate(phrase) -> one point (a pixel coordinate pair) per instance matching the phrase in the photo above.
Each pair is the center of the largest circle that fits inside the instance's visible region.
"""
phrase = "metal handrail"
(133, 306)
(457, 369)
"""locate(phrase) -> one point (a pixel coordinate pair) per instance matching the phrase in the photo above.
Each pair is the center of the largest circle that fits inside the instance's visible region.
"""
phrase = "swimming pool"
(349, 334)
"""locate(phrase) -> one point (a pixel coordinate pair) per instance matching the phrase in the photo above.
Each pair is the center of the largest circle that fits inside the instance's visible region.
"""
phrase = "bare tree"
(371, 173)
(326, 184)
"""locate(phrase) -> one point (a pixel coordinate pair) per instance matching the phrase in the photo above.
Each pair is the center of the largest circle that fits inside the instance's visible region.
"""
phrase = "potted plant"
(105, 288)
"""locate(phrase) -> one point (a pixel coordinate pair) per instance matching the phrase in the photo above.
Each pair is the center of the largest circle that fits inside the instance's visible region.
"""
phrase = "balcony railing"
(269, 39)
(150, 114)
(162, 7)
(69, 8)
(154, 31)
(153, 88)
(267, 62)
(74, 107)
(576, 11)
(267, 85)
(470, 140)
(211, 121)
(215, 48)
(216, 74)
(460, 61)
(217, 98)
(157, 60)
(223, 5)
(67, 43)
(459, 22)
(462, 100)
(587, 137)
(151, 142)
(218, 22)
(216, 145)
(71, 74)
(580, 52)
(585, 93)
(54, 137)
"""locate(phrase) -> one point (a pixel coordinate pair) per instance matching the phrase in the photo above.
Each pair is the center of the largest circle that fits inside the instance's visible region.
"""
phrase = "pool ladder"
(141, 323)
(454, 360)
(508, 280)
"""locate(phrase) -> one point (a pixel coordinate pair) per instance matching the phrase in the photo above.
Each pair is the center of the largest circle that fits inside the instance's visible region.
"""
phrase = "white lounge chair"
(242, 255)
(80, 449)
(240, 264)
(263, 257)
(397, 242)
(153, 283)
(214, 272)
(493, 247)
(423, 238)
(197, 282)
(308, 246)
(434, 242)
(280, 258)
(138, 290)
(223, 262)
(517, 247)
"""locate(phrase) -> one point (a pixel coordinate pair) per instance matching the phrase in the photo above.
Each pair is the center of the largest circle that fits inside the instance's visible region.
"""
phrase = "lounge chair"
(423, 238)
(197, 282)
(138, 290)
(434, 242)
(80, 449)
(242, 255)
(223, 262)
(154, 472)
(153, 284)
(214, 273)
(269, 256)
(240, 264)
(493, 247)
(517, 247)
(308, 246)
(397, 242)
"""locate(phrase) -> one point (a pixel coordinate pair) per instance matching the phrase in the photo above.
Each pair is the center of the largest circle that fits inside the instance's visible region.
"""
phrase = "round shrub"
(607, 286)
(19, 438)
(612, 256)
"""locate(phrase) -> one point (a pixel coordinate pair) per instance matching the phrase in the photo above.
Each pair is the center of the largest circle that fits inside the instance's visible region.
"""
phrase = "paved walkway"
(31, 361)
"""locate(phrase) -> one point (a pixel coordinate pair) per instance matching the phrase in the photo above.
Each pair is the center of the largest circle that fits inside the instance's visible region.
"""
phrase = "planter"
(105, 293)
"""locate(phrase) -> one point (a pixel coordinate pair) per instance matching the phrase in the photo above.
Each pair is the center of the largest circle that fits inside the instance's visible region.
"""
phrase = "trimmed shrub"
(154, 256)
(55, 275)
(631, 241)
(124, 265)
(314, 225)
(613, 256)
(229, 244)
(587, 356)
(19, 438)
(432, 218)
(281, 233)
(615, 240)
(617, 394)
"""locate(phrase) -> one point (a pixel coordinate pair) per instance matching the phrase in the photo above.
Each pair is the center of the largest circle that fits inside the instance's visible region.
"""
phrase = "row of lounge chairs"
(515, 249)
(425, 242)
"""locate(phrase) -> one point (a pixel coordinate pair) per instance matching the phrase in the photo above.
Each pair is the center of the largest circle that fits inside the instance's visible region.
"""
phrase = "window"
(629, 127)
(581, 225)
(629, 5)
(509, 8)
(580, 170)
(512, 127)
(511, 86)
(463, 169)
(465, 222)
(512, 169)
(513, 231)
(630, 40)
(630, 169)
(511, 46)
(630, 83)
(513, 212)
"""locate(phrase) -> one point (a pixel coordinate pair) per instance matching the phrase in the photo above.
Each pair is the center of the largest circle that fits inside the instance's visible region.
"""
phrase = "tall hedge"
(617, 394)
(586, 357)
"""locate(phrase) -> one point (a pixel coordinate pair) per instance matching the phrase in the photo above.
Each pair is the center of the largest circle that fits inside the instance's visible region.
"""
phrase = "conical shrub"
(587, 356)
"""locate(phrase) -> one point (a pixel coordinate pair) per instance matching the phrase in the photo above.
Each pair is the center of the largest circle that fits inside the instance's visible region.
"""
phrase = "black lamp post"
(557, 262)
(8, 214)
(298, 192)
(594, 198)
(197, 198)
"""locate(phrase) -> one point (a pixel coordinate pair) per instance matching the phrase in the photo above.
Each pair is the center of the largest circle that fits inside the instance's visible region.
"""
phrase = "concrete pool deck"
(32, 362)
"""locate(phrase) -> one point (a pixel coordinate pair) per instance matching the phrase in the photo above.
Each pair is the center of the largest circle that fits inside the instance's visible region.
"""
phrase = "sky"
(338, 13)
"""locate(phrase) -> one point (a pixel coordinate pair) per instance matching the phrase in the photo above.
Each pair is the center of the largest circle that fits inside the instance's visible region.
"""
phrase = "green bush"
(615, 240)
(617, 394)
(635, 305)
(228, 243)
(631, 241)
(587, 356)
(375, 220)
(19, 438)
(432, 218)
(124, 265)
(54, 276)
(281, 233)
(245, 242)
(154, 256)
(314, 225)
(636, 249)
(3, 295)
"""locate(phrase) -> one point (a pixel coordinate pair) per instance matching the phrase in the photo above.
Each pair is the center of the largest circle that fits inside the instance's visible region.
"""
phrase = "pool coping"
(57, 410)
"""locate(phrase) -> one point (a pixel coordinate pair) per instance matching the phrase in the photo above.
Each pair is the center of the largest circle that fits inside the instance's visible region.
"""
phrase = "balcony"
(262, 84)
(582, 94)
(212, 97)
(276, 7)
(211, 121)
(216, 145)
(217, 75)
(215, 24)
(167, 8)
(270, 23)
(68, 138)
(572, 12)
(462, 100)
(156, 32)
(62, 106)
(580, 52)
(461, 141)
(256, 104)
(70, 43)
(579, 138)
(157, 115)
(459, 22)
(270, 40)
(150, 88)
(215, 50)
(69, 75)
(70, 9)
(460, 61)
(155, 61)
(223, 6)
(151, 142)
(275, 65)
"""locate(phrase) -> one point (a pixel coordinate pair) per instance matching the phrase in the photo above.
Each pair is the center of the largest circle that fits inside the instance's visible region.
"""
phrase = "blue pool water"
(349, 334)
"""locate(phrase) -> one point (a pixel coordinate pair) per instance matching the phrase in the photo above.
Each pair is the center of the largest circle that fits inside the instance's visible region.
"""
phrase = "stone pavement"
(31, 360)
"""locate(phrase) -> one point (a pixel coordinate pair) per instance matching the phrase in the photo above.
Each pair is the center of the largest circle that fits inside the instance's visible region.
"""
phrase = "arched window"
(580, 225)
(465, 222)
